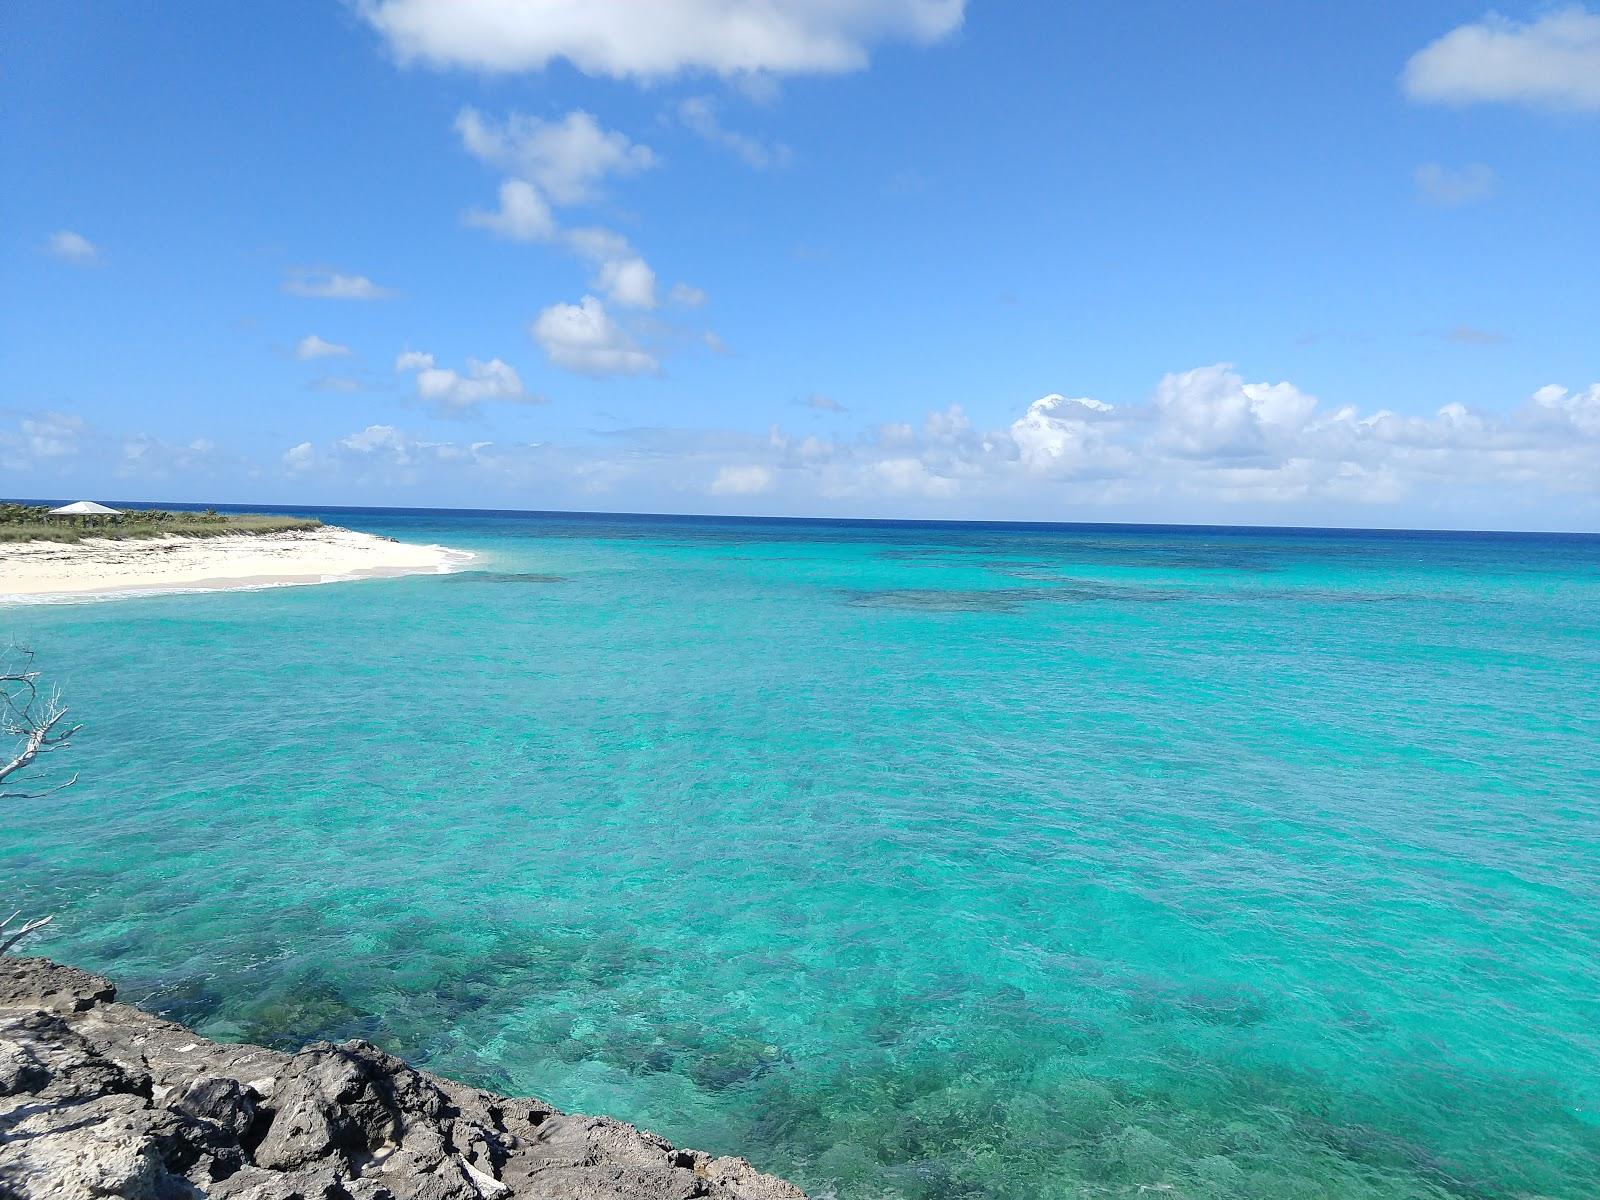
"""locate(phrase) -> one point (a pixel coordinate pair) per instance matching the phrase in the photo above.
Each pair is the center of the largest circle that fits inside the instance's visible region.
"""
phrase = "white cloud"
(1206, 445)
(746, 480)
(628, 281)
(625, 277)
(397, 457)
(1060, 434)
(700, 115)
(597, 245)
(147, 457)
(686, 295)
(73, 248)
(298, 458)
(523, 215)
(311, 346)
(912, 476)
(561, 163)
(651, 39)
(1577, 412)
(383, 440)
(823, 403)
(583, 337)
(1209, 437)
(1550, 62)
(1451, 189)
(1211, 413)
(331, 285)
(566, 159)
(454, 393)
(52, 434)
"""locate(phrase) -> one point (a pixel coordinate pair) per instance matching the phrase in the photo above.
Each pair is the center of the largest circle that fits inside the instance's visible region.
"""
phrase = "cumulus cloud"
(699, 114)
(627, 281)
(1207, 435)
(298, 458)
(1210, 413)
(374, 438)
(686, 295)
(748, 480)
(332, 285)
(523, 215)
(620, 272)
(566, 159)
(559, 163)
(1448, 188)
(454, 393)
(1205, 444)
(1550, 62)
(1060, 434)
(652, 39)
(72, 248)
(584, 338)
(1554, 407)
(311, 346)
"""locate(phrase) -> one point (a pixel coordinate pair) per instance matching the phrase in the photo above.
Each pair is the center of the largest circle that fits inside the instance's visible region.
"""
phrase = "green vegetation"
(29, 523)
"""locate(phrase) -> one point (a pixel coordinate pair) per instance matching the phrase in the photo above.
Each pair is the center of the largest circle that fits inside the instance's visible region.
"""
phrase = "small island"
(87, 550)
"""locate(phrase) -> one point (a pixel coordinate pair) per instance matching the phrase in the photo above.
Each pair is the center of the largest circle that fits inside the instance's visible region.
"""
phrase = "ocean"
(908, 860)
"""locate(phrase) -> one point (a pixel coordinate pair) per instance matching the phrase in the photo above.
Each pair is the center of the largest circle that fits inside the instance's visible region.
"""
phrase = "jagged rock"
(40, 983)
(99, 1099)
(228, 1103)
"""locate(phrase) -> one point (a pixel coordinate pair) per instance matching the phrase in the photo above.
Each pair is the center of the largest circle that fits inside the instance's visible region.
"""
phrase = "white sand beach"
(100, 567)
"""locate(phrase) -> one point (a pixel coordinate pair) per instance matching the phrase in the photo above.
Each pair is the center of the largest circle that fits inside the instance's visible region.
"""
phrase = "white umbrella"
(85, 508)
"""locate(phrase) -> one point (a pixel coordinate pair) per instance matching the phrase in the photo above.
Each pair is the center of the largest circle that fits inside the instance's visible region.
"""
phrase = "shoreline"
(104, 569)
(104, 1099)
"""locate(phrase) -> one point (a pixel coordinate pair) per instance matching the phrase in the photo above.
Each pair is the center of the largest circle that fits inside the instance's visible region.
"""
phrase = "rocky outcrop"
(99, 1099)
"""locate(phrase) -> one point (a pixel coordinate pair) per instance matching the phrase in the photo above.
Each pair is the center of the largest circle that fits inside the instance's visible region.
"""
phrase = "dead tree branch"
(35, 723)
(10, 937)
(33, 719)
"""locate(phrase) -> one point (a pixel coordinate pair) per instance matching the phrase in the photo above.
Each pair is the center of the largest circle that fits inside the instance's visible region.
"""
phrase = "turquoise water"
(908, 861)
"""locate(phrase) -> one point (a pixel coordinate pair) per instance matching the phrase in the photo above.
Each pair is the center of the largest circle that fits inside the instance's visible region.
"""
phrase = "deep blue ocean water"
(908, 860)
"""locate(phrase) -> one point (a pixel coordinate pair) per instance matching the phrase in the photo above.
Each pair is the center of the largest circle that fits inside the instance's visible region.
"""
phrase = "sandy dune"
(97, 566)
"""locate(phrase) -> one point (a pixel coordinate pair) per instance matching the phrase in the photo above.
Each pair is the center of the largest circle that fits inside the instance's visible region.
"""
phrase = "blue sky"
(1242, 262)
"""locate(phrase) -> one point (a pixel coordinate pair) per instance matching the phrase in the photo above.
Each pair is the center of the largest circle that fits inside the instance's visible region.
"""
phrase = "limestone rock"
(99, 1099)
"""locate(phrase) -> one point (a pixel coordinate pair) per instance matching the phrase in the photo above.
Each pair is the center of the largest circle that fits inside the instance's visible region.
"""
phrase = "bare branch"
(9, 938)
(35, 721)
(37, 724)
(49, 791)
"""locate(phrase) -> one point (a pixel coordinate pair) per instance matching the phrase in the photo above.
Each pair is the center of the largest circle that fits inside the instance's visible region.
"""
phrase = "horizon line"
(181, 505)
